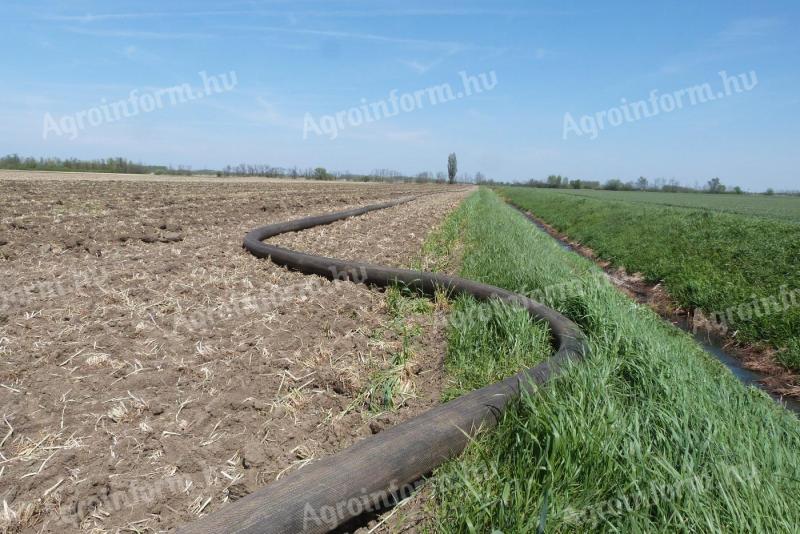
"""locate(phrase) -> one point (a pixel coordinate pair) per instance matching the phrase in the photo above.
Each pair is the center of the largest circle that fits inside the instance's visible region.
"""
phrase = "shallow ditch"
(708, 340)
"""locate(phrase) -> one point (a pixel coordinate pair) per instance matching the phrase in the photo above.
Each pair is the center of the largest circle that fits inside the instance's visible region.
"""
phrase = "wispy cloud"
(132, 34)
(268, 113)
(449, 46)
(334, 13)
(88, 18)
(445, 12)
(421, 67)
(26, 100)
(418, 67)
(264, 112)
(135, 53)
(726, 42)
(685, 62)
(748, 28)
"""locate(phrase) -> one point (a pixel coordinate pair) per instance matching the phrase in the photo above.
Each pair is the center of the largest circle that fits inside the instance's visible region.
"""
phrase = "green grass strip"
(649, 435)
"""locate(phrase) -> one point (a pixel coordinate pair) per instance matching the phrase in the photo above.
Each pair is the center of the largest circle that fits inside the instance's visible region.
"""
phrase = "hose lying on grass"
(332, 491)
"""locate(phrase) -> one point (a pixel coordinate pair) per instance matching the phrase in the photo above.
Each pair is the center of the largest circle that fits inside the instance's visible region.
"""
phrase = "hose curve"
(321, 496)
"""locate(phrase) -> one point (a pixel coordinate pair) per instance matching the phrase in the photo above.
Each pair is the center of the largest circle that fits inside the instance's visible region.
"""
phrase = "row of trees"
(321, 173)
(377, 175)
(714, 186)
(122, 165)
(118, 165)
(389, 175)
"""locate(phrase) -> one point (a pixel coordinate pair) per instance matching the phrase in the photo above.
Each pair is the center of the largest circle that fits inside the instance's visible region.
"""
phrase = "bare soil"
(152, 370)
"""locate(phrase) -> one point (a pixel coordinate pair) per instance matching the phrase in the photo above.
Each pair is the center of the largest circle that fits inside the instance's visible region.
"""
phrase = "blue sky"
(294, 60)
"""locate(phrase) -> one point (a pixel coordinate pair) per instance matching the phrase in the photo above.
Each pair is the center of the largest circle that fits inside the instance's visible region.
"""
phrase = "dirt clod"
(172, 238)
(187, 365)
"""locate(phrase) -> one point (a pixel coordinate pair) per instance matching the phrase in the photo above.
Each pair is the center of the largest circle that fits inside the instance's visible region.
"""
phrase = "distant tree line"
(118, 165)
(321, 173)
(713, 186)
(377, 175)
(122, 165)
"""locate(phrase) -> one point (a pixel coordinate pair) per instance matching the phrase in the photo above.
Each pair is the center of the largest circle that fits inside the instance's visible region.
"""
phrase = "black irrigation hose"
(334, 490)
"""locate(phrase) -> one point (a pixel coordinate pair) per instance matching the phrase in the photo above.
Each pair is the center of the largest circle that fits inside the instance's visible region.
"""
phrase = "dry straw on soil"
(118, 416)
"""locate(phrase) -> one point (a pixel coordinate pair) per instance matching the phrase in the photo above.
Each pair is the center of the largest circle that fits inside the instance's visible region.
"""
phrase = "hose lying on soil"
(334, 490)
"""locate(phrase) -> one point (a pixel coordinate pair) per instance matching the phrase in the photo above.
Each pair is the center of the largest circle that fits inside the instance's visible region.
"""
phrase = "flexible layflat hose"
(334, 490)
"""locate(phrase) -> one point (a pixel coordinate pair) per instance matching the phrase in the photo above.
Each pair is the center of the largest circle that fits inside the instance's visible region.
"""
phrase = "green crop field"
(650, 434)
(742, 270)
(776, 206)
